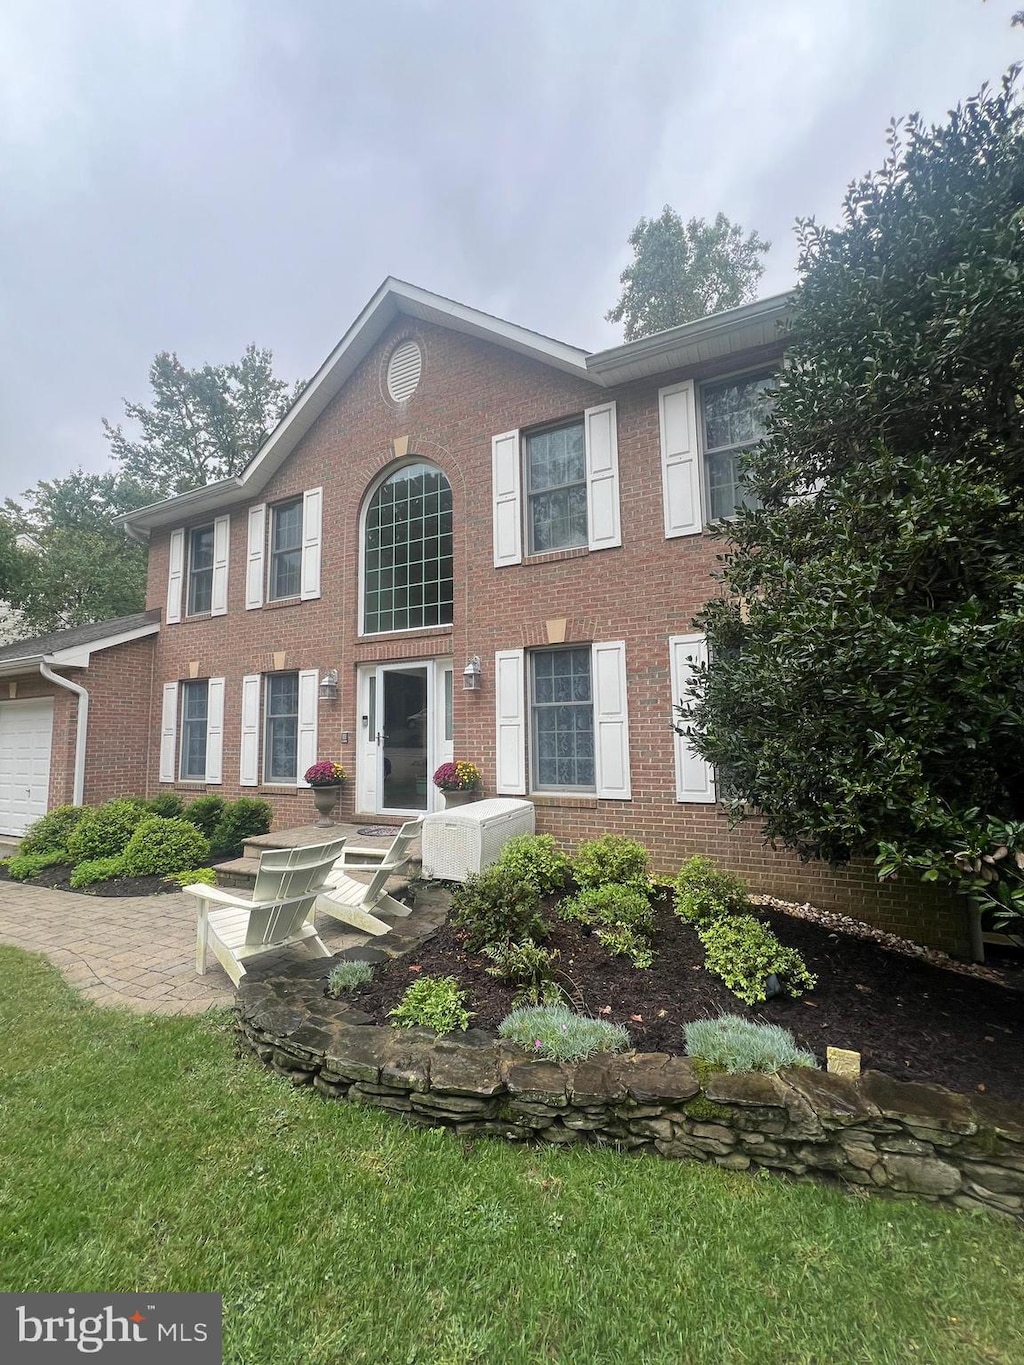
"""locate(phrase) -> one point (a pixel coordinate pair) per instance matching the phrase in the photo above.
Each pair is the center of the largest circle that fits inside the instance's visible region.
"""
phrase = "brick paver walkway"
(139, 951)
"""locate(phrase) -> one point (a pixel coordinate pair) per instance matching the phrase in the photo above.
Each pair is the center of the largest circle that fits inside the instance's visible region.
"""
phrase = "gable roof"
(72, 648)
(724, 333)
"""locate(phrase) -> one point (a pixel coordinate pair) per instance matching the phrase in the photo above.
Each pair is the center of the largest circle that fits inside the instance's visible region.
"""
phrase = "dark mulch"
(908, 1018)
(58, 878)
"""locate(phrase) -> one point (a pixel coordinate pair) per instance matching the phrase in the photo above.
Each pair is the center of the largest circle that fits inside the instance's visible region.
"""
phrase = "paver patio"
(139, 951)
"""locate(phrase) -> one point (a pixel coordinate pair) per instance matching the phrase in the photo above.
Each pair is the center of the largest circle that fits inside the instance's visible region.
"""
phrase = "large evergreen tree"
(866, 693)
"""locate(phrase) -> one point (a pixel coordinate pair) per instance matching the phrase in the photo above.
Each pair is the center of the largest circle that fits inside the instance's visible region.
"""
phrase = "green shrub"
(560, 1034)
(434, 1002)
(744, 953)
(537, 858)
(347, 975)
(97, 870)
(24, 866)
(495, 906)
(240, 820)
(609, 905)
(50, 832)
(622, 915)
(198, 875)
(622, 941)
(612, 858)
(703, 893)
(168, 804)
(104, 831)
(732, 1043)
(527, 966)
(204, 812)
(161, 846)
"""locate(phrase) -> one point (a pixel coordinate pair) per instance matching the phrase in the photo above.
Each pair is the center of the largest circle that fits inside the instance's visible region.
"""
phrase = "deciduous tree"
(683, 271)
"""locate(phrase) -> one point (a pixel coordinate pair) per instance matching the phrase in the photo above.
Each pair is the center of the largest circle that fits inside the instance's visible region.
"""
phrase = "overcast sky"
(195, 175)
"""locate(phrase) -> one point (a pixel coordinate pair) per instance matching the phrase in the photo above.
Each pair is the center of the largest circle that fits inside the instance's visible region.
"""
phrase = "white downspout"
(78, 794)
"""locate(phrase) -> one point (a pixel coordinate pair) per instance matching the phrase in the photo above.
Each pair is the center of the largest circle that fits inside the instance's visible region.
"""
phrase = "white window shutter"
(249, 749)
(169, 732)
(214, 730)
(510, 714)
(309, 695)
(695, 779)
(611, 720)
(312, 518)
(680, 460)
(254, 557)
(505, 483)
(175, 576)
(602, 449)
(221, 547)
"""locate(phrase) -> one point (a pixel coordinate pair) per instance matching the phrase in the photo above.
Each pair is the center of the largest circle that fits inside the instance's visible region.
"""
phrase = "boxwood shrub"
(104, 831)
(52, 830)
(611, 858)
(704, 893)
(239, 820)
(159, 846)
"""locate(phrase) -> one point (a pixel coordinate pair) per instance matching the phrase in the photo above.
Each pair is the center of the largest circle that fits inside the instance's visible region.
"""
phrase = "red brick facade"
(642, 592)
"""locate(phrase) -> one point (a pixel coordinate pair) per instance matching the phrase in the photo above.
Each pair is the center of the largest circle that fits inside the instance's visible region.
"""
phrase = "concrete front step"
(240, 873)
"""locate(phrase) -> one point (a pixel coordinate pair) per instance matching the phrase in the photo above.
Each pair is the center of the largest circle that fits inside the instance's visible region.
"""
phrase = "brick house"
(457, 500)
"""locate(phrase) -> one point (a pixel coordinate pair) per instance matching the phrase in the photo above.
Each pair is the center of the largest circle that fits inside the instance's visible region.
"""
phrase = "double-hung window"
(735, 419)
(197, 570)
(199, 598)
(702, 479)
(192, 730)
(562, 720)
(281, 737)
(195, 702)
(556, 488)
(285, 550)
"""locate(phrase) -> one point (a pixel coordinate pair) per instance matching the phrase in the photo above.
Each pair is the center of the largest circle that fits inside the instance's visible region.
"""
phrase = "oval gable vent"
(404, 370)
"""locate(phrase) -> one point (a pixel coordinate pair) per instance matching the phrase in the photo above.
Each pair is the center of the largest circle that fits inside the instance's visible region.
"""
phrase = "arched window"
(407, 552)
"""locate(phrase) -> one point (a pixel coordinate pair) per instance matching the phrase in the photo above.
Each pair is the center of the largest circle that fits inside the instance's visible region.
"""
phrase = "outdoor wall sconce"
(472, 675)
(329, 685)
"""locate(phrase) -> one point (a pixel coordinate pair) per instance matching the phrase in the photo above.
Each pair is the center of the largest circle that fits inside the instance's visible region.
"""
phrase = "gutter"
(78, 793)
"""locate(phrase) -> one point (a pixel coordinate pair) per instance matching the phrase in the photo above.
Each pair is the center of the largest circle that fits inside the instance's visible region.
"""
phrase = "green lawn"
(139, 1153)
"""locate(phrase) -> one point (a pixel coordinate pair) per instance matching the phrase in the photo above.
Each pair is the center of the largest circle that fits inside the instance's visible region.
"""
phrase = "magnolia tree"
(866, 691)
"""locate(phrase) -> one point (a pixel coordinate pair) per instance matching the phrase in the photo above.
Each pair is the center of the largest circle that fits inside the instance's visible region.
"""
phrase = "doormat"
(376, 831)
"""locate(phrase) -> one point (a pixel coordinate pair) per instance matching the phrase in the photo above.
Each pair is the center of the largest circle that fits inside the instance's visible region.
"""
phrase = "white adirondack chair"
(279, 912)
(358, 903)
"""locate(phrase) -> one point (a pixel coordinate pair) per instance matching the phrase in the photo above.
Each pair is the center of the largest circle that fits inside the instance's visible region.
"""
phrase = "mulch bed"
(58, 878)
(909, 1018)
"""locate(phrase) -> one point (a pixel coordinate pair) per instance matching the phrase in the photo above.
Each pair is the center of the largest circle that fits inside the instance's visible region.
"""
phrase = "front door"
(405, 732)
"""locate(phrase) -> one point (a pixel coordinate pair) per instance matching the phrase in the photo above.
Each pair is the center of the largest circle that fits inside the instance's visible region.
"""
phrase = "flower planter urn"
(326, 799)
(460, 798)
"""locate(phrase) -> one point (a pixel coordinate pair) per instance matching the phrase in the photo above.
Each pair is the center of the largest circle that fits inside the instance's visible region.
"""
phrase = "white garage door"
(26, 728)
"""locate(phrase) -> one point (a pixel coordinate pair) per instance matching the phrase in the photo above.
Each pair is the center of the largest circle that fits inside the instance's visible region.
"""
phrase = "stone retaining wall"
(903, 1139)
